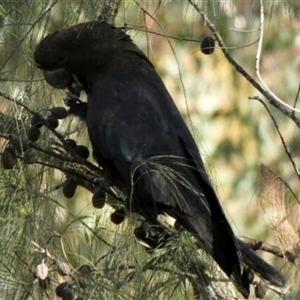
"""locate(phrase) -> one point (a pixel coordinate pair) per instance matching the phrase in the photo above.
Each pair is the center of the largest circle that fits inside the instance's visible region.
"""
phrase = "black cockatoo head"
(85, 49)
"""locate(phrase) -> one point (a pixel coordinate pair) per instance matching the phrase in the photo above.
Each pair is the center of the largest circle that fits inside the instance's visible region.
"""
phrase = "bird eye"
(60, 58)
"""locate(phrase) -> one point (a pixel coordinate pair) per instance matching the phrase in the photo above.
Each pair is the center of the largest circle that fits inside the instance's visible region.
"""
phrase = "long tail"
(261, 267)
(228, 252)
(220, 242)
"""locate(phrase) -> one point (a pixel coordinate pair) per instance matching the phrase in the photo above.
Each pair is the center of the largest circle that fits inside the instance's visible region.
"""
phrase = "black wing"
(137, 132)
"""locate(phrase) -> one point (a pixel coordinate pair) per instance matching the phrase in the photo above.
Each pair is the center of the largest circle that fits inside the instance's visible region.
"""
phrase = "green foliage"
(37, 223)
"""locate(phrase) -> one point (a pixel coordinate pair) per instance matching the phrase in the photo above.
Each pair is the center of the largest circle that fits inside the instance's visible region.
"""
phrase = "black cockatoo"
(142, 142)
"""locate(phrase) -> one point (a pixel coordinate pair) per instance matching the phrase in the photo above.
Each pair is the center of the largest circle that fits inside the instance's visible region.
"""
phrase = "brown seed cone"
(118, 216)
(58, 112)
(69, 187)
(52, 121)
(207, 45)
(8, 158)
(82, 151)
(98, 199)
(33, 133)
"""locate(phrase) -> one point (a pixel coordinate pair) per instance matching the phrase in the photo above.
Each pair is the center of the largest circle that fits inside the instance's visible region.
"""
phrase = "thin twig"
(297, 97)
(241, 70)
(260, 245)
(59, 136)
(175, 56)
(258, 55)
(27, 33)
(109, 11)
(82, 223)
(172, 37)
(287, 151)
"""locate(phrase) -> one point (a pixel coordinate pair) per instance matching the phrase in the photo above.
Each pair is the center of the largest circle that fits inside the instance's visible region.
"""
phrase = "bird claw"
(73, 93)
(71, 99)
(77, 84)
(75, 89)
(102, 182)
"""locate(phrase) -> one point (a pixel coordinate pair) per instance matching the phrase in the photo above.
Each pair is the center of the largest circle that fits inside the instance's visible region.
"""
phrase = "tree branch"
(242, 71)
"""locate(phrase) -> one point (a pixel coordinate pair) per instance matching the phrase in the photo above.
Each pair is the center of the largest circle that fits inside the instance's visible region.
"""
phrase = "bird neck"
(114, 65)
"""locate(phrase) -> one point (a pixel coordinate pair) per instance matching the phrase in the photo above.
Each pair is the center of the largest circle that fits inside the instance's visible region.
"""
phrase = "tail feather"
(261, 267)
(228, 253)
(220, 243)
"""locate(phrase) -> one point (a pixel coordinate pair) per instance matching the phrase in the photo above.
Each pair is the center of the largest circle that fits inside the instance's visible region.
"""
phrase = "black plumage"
(140, 139)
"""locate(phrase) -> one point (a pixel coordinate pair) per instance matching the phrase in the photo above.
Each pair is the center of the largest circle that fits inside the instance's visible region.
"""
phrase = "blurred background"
(235, 134)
